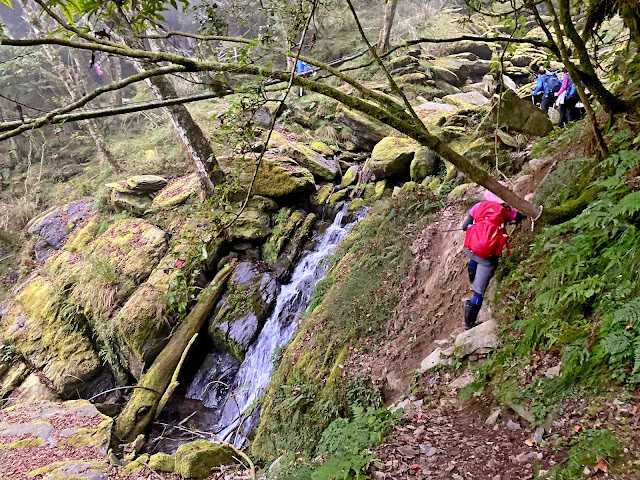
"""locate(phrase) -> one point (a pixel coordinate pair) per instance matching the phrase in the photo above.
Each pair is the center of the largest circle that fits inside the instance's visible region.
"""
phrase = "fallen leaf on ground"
(530, 442)
(601, 466)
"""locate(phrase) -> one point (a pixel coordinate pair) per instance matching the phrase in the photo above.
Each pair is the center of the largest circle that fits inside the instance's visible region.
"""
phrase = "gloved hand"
(519, 218)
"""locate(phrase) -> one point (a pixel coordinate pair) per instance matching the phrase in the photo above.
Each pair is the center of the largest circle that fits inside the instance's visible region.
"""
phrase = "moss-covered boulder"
(48, 337)
(403, 61)
(424, 163)
(519, 115)
(196, 459)
(292, 229)
(55, 225)
(131, 202)
(392, 156)
(366, 131)
(350, 177)
(12, 376)
(140, 328)
(255, 220)
(337, 197)
(46, 432)
(482, 50)
(321, 167)
(466, 100)
(133, 246)
(162, 462)
(278, 175)
(322, 148)
(251, 295)
(416, 78)
(446, 75)
(320, 198)
(177, 191)
(146, 183)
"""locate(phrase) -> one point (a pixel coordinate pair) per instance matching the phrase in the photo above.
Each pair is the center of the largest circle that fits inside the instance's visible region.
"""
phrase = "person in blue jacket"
(302, 67)
(548, 84)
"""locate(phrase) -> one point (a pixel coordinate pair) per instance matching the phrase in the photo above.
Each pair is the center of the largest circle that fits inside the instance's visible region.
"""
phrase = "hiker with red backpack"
(485, 238)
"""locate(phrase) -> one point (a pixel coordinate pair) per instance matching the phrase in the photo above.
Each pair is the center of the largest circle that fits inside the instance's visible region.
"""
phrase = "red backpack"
(487, 236)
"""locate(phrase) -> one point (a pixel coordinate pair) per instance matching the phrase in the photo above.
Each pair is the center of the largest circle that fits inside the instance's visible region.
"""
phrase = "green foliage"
(577, 294)
(586, 449)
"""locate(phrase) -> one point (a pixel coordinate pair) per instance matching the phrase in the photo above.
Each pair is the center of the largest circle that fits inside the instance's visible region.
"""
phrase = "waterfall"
(255, 372)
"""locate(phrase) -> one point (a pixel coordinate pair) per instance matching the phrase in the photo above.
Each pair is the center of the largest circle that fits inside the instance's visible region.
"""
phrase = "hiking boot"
(470, 314)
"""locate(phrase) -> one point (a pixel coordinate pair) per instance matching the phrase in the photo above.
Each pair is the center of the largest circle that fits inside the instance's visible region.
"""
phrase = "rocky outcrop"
(251, 295)
(466, 100)
(366, 131)
(518, 115)
(321, 167)
(254, 221)
(177, 191)
(392, 156)
(54, 441)
(196, 459)
(424, 164)
(482, 50)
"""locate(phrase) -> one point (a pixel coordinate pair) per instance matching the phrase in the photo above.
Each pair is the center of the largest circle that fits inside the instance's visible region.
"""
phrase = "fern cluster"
(578, 294)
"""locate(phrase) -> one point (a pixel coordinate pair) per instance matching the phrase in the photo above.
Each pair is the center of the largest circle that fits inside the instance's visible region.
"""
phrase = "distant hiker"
(567, 100)
(485, 238)
(547, 84)
(301, 68)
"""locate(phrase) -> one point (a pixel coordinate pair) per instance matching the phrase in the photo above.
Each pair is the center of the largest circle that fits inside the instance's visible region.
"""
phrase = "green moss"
(26, 443)
(161, 462)
(196, 459)
(311, 386)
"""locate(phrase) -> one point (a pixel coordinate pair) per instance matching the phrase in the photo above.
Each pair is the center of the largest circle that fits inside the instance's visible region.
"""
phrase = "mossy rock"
(12, 378)
(56, 346)
(337, 197)
(350, 177)
(392, 156)
(255, 220)
(366, 131)
(146, 183)
(177, 191)
(322, 148)
(57, 223)
(137, 204)
(278, 175)
(355, 204)
(520, 115)
(460, 190)
(251, 295)
(320, 198)
(287, 221)
(73, 470)
(81, 237)
(467, 100)
(162, 462)
(403, 61)
(321, 167)
(133, 246)
(196, 459)
(416, 78)
(141, 329)
(424, 163)
(379, 190)
(446, 75)
(482, 50)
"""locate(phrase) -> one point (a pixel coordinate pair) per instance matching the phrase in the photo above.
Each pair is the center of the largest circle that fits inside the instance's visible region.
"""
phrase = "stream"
(237, 417)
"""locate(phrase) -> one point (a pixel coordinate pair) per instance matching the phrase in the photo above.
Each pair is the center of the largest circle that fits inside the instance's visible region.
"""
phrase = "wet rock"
(391, 157)
(55, 225)
(350, 177)
(366, 131)
(255, 220)
(196, 459)
(211, 383)
(320, 198)
(250, 299)
(337, 197)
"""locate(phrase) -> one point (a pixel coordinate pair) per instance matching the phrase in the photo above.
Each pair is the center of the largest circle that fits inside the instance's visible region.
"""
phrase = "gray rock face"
(481, 337)
(251, 296)
(210, 383)
(521, 116)
(146, 183)
(366, 131)
(55, 225)
(480, 49)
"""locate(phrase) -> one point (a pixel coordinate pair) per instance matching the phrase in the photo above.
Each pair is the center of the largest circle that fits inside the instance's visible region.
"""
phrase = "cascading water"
(255, 372)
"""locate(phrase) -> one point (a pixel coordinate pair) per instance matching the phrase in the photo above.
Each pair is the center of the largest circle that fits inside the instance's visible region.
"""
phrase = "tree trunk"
(387, 23)
(115, 69)
(197, 146)
(141, 407)
(40, 29)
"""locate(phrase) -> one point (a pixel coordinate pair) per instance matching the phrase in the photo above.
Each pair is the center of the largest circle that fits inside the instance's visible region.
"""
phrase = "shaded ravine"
(237, 418)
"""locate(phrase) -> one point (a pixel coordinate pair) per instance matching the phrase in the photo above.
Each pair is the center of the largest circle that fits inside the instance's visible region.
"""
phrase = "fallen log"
(141, 407)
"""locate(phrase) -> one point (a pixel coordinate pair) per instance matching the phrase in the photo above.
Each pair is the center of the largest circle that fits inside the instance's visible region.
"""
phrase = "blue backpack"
(551, 83)
(572, 91)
